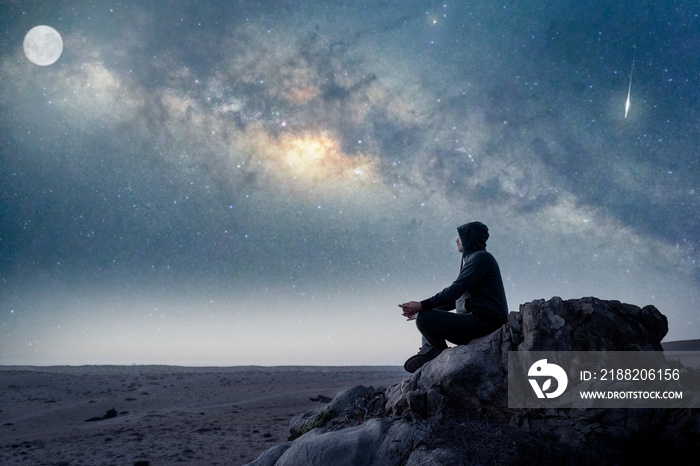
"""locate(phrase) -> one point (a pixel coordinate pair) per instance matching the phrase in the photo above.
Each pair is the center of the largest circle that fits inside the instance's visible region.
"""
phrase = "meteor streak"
(629, 89)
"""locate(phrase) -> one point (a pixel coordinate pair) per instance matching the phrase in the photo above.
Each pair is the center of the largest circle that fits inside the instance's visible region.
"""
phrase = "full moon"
(43, 45)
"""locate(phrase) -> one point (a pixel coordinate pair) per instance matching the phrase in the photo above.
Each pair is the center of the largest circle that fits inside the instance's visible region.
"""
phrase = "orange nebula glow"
(310, 161)
(319, 159)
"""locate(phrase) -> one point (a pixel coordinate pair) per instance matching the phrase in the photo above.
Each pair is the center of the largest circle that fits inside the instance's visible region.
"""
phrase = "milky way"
(212, 183)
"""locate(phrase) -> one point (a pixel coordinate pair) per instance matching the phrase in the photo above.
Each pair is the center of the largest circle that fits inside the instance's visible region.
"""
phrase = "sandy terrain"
(160, 415)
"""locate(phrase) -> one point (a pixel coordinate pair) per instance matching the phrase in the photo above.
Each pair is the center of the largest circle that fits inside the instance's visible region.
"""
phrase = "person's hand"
(411, 309)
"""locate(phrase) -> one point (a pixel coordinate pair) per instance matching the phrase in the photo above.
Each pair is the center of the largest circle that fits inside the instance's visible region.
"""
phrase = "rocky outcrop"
(454, 409)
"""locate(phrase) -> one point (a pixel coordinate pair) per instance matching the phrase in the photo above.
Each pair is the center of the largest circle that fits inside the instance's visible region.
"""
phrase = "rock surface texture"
(453, 411)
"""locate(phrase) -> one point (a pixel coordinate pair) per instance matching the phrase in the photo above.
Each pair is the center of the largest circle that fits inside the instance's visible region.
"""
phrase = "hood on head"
(473, 236)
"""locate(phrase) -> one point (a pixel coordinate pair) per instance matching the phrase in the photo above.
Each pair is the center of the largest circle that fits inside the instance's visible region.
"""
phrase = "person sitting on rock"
(477, 295)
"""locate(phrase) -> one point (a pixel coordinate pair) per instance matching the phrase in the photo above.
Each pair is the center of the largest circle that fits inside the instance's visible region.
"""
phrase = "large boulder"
(587, 324)
(454, 409)
(377, 441)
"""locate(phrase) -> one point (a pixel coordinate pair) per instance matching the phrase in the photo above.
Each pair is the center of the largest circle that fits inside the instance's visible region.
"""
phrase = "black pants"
(460, 329)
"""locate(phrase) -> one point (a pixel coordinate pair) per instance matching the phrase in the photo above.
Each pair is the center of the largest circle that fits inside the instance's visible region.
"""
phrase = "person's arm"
(474, 270)
(412, 308)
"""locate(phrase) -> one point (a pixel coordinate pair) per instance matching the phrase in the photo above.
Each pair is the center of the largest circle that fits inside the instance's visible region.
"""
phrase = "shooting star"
(629, 89)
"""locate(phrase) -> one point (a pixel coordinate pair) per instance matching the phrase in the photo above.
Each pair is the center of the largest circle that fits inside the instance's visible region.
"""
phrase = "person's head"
(472, 237)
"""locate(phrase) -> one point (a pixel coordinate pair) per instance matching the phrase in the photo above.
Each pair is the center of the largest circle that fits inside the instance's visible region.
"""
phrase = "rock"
(302, 423)
(108, 415)
(350, 407)
(424, 456)
(588, 324)
(377, 441)
(470, 377)
(454, 409)
(346, 400)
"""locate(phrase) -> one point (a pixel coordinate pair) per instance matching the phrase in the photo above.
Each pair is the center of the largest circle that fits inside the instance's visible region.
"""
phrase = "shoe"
(416, 362)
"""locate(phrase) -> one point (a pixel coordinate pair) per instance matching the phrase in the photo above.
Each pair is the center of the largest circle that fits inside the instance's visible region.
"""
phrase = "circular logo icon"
(546, 372)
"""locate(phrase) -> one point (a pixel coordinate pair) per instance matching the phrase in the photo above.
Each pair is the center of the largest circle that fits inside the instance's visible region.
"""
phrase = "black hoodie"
(479, 287)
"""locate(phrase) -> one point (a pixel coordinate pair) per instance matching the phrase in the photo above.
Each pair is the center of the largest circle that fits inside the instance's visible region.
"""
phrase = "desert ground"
(161, 415)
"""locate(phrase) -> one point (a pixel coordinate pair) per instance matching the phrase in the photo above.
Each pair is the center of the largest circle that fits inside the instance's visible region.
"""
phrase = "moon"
(43, 45)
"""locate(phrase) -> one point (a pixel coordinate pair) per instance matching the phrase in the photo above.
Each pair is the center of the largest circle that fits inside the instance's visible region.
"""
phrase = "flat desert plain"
(161, 415)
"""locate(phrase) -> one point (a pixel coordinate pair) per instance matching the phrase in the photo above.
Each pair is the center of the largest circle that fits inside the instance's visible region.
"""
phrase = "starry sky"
(239, 182)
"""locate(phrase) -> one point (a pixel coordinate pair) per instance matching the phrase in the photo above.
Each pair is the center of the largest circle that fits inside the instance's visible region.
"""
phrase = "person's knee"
(424, 319)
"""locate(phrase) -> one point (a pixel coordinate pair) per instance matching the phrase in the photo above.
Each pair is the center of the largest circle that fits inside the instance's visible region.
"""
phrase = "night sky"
(262, 182)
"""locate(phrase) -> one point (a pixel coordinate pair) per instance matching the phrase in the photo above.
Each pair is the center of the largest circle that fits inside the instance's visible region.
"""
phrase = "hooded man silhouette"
(477, 295)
